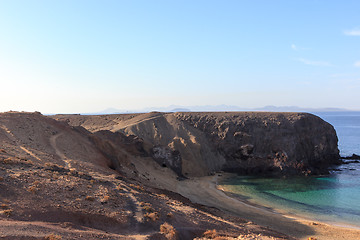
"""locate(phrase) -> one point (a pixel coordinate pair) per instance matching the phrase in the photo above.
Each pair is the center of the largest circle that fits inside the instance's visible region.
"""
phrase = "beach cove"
(204, 191)
(208, 191)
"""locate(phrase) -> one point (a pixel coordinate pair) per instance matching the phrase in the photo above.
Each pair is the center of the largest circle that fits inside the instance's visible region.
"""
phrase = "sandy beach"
(203, 190)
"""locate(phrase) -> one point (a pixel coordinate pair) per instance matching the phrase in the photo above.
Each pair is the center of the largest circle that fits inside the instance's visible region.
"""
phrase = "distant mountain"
(180, 110)
(110, 111)
(299, 109)
(216, 108)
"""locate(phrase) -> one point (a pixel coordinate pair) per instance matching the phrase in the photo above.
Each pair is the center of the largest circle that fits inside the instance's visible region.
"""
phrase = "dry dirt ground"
(55, 183)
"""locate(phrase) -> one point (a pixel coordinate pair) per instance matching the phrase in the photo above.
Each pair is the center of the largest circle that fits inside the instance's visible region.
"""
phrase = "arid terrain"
(136, 176)
(55, 182)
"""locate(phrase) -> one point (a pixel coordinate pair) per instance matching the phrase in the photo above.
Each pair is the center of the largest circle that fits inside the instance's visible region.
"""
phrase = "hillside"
(59, 181)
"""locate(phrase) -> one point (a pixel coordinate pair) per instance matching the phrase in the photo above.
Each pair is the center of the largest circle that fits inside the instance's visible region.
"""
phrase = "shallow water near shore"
(334, 198)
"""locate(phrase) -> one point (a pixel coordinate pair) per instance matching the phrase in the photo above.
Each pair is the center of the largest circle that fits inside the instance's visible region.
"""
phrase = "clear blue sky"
(86, 56)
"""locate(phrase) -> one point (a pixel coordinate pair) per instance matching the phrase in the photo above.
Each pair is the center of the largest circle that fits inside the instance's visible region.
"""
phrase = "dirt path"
(136, 122)
(60, 154)
(30, 153)
(138, 211)
(9, 134)
(138, 214)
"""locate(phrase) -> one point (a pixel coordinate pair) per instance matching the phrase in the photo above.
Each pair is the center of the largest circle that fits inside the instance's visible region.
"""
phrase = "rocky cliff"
(262, 143)
(198, 144)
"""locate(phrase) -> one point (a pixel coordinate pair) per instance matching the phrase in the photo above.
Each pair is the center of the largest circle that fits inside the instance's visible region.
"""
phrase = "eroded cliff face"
(268, 143)
(198, 144)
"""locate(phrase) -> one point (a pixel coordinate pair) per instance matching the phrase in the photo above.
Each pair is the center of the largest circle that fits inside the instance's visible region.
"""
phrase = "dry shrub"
(162, 196)
(1, 179)
(138, 187)
(33, 189)
(154, 216)
(169, 231)
(4, 206)
(55, 167)
(72, 171)
(2, 150)
(28, 162)
(52, 237)
(170, 215)
(105, 199)
(148, 209)
(210, 234)
(311, 238)
(55, 175)
(36, 183)
(89, 198)
(8, 160)
(8, 212)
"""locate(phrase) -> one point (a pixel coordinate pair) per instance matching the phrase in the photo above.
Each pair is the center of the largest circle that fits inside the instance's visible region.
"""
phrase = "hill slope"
(58, 180)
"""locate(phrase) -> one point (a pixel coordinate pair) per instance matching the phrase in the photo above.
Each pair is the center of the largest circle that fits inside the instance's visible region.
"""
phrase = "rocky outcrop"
(268, 143)
(352, 157)
(198, 144)
(168, 158)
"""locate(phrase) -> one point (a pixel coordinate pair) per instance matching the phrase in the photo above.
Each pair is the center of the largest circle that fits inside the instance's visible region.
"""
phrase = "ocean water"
(334, 198)
(347, 126)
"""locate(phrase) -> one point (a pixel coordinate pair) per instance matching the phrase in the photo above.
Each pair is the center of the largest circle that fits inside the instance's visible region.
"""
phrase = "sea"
(334, 198)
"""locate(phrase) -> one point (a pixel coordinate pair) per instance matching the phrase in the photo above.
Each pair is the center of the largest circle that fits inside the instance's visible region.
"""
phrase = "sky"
(86, 56)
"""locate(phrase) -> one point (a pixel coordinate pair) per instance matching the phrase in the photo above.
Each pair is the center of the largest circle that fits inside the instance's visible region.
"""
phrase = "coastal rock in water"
(352, 157)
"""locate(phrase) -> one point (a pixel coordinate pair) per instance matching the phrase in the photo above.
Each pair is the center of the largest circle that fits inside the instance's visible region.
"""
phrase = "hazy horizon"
(87, 56)
(210, 108)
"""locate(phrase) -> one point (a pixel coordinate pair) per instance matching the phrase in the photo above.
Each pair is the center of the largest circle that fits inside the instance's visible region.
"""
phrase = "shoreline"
(281, 211)
(204, 191)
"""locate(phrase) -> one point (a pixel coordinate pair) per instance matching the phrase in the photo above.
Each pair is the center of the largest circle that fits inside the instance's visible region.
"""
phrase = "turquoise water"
(332, 198)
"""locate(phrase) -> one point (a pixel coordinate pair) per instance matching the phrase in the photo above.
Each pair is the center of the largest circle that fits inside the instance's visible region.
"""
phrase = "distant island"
(216, 108)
